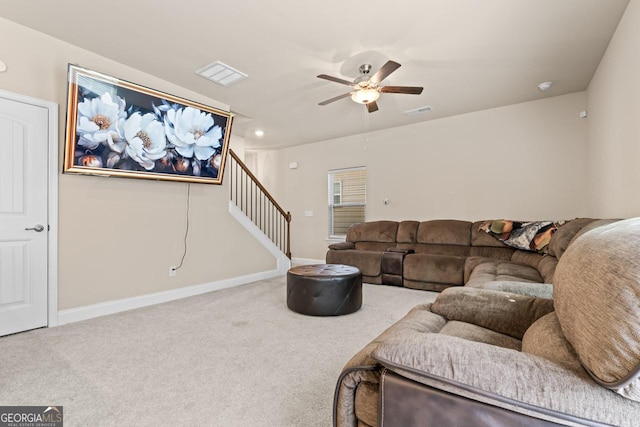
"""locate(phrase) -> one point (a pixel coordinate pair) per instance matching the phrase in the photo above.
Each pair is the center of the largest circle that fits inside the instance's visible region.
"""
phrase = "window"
(337, 192)
(347, 199)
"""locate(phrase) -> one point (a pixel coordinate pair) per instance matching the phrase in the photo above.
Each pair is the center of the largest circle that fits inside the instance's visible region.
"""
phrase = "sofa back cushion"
(564, 234)
(407, 231)
(597, 300)
(373, 231)
(594, 224)
(445, 232)
(547, 268)
(482, 238)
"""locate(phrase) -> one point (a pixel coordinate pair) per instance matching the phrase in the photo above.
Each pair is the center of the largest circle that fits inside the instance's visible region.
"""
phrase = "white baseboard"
(305, 261)
(112, 307)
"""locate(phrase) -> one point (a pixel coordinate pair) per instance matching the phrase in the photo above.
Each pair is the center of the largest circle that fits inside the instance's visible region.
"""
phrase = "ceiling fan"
(367, 89)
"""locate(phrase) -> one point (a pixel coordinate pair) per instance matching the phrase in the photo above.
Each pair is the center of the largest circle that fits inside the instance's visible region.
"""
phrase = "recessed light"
(545, 86)
(259, 132)
(3, 67)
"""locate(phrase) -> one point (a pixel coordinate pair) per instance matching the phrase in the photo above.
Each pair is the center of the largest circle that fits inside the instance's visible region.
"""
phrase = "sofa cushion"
(434, 268)
(445, 232)
(367, 261)
(526, 257)
(545, 339)
(489, 309)
(453, 250)
(538, 290)
(597, 295)
(476, 333)
(590, 226)
(426, 286)
(498, 253)
(373, 231)
(481, 238)
(563, 235)
(504, 271)
(547, 268)
(407, 231)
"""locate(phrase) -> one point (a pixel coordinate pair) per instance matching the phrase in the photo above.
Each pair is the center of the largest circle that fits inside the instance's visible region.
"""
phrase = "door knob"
(38, 228)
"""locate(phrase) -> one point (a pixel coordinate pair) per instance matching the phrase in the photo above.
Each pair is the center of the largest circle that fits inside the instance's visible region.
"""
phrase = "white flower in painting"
(145, 137)
(192, 132)
(100, 120)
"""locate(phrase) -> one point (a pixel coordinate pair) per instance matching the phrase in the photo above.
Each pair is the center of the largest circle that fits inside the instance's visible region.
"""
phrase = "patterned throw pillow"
(528, 236)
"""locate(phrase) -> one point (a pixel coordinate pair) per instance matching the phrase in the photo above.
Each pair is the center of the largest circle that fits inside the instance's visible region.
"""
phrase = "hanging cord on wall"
(186, 231)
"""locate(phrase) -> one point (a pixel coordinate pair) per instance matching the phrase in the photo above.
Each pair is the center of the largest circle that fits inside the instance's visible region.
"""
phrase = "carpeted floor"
(235, 357)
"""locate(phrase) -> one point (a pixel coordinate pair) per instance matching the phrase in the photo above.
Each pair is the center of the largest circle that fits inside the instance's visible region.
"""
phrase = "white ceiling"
(469, 55)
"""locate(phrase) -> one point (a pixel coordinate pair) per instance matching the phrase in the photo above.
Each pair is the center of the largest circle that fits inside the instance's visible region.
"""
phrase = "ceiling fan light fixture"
(365, 96)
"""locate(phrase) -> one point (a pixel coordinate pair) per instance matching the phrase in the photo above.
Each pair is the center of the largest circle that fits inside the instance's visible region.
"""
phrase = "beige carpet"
(236, 357)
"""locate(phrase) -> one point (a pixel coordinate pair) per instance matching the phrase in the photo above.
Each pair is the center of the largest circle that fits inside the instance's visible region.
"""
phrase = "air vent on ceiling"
(418, 110)
(221, 73)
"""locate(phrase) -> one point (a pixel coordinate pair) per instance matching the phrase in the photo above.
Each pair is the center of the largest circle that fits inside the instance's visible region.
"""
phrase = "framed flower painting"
(118, 128)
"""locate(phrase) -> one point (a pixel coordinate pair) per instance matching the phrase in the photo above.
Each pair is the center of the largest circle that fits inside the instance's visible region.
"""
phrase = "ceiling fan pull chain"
(366, 129)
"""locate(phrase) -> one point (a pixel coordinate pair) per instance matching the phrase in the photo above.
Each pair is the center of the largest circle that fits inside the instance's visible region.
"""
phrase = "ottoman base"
(324, 289)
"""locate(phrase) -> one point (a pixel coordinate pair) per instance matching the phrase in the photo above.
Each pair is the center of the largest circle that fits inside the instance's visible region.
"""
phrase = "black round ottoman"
(324, 289)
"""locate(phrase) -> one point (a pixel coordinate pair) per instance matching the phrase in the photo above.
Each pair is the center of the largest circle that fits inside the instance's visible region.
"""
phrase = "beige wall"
(524, 161)
(614, 123)
(118, 237)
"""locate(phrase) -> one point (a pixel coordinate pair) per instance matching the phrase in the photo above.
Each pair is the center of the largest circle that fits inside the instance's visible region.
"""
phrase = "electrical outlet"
(172, 271)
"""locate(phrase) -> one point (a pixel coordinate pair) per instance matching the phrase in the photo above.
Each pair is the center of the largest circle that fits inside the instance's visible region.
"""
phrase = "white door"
(23, 216)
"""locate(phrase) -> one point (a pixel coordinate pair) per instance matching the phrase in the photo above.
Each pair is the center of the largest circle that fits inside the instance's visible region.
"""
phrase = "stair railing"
(259, 205)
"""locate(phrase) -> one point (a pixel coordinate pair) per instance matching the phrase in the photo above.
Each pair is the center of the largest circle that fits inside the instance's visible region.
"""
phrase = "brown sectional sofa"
(445, 253)
(479, 357)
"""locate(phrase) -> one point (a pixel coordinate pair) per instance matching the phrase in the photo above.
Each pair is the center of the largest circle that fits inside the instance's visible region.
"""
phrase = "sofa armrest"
(342, 246)
(362, 368)
(503, 312)
(406, 403)
(400, 250)
(506, 378)
(470, 263)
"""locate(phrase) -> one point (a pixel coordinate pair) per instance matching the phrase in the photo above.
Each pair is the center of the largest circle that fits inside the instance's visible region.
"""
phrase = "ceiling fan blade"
(335, 79)
(412, 90)
(372, 106)
(336, 98)
(384, 72)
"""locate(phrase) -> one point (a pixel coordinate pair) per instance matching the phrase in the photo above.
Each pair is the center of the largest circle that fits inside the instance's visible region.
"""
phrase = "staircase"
(254, 207)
